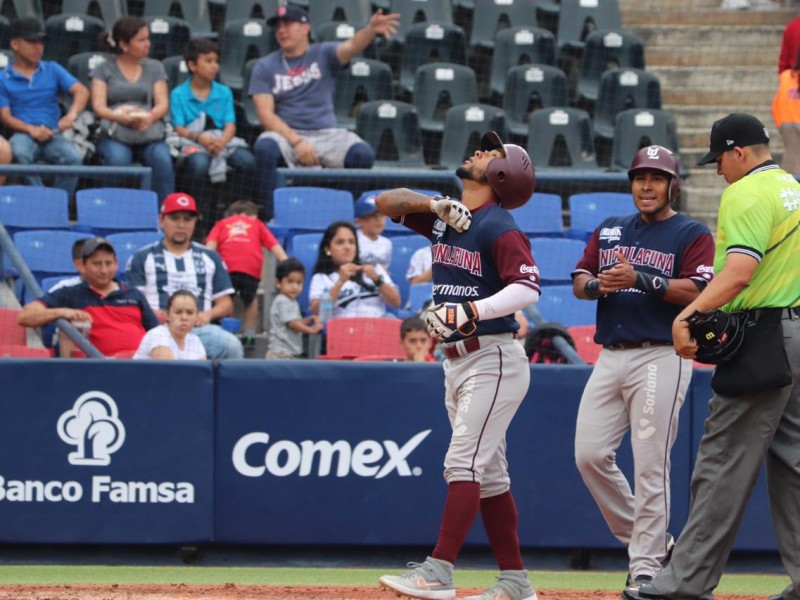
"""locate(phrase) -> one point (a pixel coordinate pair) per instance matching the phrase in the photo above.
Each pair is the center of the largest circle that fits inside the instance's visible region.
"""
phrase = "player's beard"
(463, 172)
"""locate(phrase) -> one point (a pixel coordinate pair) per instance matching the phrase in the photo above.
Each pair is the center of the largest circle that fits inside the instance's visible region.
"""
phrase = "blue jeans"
(154, 155)
(218, 342)
(195, 181)
(58, 150)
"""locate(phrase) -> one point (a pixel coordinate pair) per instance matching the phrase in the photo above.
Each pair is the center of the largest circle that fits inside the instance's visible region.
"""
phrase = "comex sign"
(93, 426)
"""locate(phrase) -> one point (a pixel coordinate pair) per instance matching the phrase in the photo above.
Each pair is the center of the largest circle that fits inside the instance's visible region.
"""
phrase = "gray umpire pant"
(739, 434)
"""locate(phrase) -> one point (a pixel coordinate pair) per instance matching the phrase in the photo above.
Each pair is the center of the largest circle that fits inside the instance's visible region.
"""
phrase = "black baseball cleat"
(648, 591)
(633, 586)
(776, 597)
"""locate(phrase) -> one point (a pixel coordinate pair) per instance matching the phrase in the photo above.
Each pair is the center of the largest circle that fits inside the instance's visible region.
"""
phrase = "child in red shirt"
(239, 238)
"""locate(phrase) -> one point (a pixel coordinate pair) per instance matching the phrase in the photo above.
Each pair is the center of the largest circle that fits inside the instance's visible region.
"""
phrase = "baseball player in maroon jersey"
(483, 272)
(642, 269)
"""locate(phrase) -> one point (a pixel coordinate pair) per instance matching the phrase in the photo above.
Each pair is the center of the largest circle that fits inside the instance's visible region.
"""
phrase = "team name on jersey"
(457, 257)
(286, 83)
(663, 261)
(466, 291)
(611, 234)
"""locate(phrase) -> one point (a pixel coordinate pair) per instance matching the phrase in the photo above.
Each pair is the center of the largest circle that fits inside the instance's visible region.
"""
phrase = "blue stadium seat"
(305, 248)
(418, 295)
(541, 216)
(47, 283)
(305, 209)
(402, 249)
(587, 211)
(48, 252)
(104, 211)
(394, 229)
(556, 258)
(128, 243)
(31, 207)
(558, 304)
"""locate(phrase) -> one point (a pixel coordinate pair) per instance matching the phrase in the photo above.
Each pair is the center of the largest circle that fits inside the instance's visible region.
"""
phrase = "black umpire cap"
(737, 129)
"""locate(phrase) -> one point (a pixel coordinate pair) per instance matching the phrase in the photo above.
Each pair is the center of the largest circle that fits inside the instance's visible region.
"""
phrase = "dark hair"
(242, 207)
(198, 46)
(77, 249)
(182, 293)
(290, 265)
(124, 30)
(412, 324)
(324, 262)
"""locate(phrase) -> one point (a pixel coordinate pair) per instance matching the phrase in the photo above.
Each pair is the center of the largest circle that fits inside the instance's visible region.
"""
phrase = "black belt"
(470, 345)
(632, 345)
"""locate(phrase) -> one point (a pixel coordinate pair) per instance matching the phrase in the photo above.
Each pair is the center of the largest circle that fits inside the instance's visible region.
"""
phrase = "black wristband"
(380, 281)
(592, 289)
(468, 310)
(653, 285)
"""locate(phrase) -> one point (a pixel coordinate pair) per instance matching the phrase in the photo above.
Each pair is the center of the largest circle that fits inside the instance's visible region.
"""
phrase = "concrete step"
(713, 57)
(715, 39)
(690, 116)
(740, 86)
(646, 13)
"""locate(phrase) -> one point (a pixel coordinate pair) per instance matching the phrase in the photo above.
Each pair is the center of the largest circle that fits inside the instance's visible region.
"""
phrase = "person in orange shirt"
(786, 113)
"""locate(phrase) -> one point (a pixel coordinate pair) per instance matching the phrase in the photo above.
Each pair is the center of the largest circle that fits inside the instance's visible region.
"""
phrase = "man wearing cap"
(177, 263)
(757, 271)
(373, 248)
(29, 92)
(292, 90)
(118, 316)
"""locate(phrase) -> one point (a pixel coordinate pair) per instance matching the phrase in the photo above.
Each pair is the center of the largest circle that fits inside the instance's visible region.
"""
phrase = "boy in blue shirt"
(29, 90)
(202, 114)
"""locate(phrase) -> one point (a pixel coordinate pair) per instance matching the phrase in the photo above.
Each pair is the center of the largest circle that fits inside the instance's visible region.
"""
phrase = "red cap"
(178, 202)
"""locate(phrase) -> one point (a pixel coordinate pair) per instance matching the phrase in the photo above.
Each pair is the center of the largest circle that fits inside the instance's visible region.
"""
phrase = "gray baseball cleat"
(511, 585)
(430, 580)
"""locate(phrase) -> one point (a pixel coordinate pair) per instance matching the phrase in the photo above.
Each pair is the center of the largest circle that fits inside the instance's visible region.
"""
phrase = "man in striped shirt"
(176, 263)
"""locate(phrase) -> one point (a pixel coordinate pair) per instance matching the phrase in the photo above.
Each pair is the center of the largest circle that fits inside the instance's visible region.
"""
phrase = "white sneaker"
(430, 580)
(512, 585)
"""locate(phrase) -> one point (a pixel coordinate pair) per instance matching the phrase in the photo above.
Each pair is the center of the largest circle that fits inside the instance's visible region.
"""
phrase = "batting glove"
(451, 212)
(444, 320)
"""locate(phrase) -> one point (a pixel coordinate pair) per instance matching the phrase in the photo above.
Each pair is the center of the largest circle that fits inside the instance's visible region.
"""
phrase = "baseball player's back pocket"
(761, 363)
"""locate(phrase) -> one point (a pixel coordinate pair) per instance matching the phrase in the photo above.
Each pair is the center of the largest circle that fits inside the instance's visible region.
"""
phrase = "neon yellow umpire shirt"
(759, 215)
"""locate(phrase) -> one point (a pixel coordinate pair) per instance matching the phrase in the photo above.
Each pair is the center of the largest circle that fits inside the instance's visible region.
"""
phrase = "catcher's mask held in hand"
(718, 334)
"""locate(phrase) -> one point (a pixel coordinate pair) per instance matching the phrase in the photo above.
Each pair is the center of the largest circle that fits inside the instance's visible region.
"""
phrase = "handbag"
(129, 135)
(761, 363)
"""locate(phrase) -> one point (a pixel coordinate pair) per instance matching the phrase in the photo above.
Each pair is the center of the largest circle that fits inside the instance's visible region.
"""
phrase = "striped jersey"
(159, 273)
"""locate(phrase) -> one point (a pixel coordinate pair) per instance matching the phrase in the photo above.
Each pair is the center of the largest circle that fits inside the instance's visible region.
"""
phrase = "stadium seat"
(606, 50)
(364, 80)
(492, 18)
(47, 251)
(6, 56)
(168, 36)
(402, 249)
(464, 125)
(351, 337)
(440, 86)
(392, 129)
(519, 46)
(587, 211)
(307, 209)
(587, 348)
(177, 71)
(561, 138)
(32, 207)
(528, 88)
(414, 12)
(23, 351)
(111, 210)
(541, 216)
(194, 12)
(127, 243)
(339, 31)
(305, 248)
(430, 43)
(419, 294)
(558, 304)
(22, 8)
(354, 12)
(578, 19)
(247, 123)
(640, 127)
(108, 11)
(395, 229)
(556, 258)
(623, 89)
(69, 34)
(10, 331)
(83, 63)
(251, 9)
(241, 41)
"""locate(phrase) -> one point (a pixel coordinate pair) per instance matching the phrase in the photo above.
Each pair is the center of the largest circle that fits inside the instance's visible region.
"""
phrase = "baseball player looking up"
(642, 269)
(757, 266)
(483, 272)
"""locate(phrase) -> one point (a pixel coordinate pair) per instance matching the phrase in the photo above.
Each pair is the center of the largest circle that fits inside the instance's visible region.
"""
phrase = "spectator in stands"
(357, 290)
(176, 263)
(286, 323)
(117, 315)
(130, 96)
(415, 340)
(292, 90)
(29, 93)
(790, 44)
(373, 248)
(786, 113)
(174, 339)
(202, 114)
(239, 239)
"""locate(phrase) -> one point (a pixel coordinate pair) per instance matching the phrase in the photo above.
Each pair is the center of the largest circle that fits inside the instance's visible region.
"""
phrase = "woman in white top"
(174, 340)
(357, 290)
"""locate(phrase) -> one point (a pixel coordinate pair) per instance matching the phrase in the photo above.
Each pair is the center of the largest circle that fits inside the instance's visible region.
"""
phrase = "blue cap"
(288, 13)
(365, 205)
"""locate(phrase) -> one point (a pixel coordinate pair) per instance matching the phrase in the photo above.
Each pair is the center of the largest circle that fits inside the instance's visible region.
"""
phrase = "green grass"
(198, 575)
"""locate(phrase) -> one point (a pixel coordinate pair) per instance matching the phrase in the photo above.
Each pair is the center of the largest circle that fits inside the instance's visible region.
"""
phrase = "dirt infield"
(234, 592)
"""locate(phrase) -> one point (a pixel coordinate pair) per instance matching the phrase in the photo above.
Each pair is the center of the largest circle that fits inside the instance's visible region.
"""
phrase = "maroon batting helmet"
(512, 177)
(661, 159)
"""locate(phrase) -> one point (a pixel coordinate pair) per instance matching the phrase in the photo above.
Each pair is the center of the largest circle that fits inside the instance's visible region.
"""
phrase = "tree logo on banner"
(94, 428)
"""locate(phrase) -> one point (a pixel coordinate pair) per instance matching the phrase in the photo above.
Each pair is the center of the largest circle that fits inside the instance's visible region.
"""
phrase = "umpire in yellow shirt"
(757, 270)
